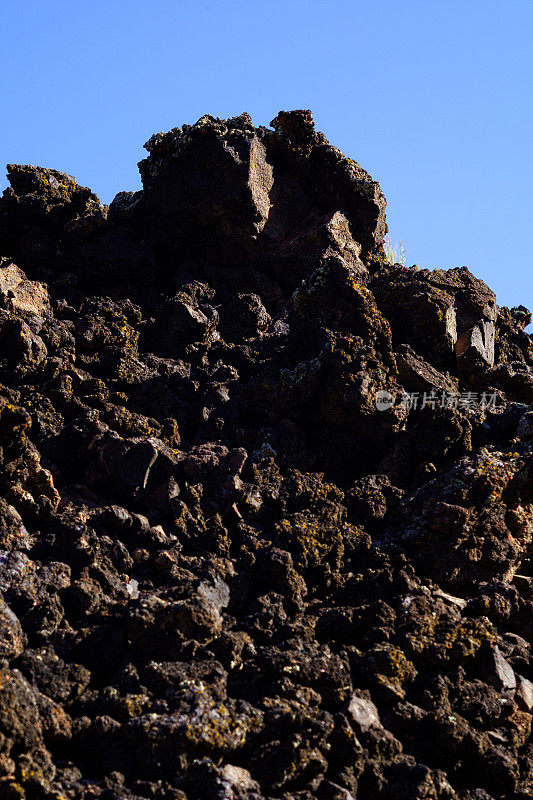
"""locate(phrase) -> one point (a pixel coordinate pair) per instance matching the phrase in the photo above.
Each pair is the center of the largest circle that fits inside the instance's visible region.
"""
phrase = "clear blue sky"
(432, 98)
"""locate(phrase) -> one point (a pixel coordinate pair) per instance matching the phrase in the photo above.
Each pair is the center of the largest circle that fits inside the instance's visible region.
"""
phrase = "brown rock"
(20, 294)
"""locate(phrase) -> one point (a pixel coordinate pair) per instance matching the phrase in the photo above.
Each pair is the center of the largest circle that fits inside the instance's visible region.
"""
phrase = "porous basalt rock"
(266, 500)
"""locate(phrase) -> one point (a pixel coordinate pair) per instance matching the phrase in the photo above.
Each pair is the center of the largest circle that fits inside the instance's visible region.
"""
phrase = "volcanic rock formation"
(266, 499)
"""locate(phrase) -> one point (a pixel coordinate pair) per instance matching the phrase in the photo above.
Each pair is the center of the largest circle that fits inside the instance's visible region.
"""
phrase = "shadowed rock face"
(266, 500)
(443, 313)
(223, 190)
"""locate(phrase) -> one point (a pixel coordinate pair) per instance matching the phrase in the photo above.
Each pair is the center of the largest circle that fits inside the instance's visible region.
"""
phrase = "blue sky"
(432, 98)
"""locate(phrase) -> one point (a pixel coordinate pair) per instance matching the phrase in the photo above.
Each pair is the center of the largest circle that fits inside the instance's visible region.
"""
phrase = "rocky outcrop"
(266, 500)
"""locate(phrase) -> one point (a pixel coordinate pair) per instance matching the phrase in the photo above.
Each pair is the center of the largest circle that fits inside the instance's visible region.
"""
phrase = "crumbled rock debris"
(235, 563)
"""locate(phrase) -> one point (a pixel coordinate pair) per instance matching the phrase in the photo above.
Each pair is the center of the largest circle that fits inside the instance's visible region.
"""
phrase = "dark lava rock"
(266, 500)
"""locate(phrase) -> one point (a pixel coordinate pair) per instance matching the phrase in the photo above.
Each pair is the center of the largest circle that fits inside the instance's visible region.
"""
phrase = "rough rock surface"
(266, 500)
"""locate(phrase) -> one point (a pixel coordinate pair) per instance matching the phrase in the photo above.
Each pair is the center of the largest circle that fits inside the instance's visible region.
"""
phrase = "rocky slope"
(266, 500)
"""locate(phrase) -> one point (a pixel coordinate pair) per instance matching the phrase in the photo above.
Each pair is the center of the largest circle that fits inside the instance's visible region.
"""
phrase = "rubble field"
(266, 499)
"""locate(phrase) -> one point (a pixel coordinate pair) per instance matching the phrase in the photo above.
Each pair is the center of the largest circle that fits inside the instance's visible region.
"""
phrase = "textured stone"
(364, 713)
(266, 500)
(21, 294)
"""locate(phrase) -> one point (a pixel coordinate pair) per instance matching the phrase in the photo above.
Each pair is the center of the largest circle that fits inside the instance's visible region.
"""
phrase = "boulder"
(448, 316)
(20, 294)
